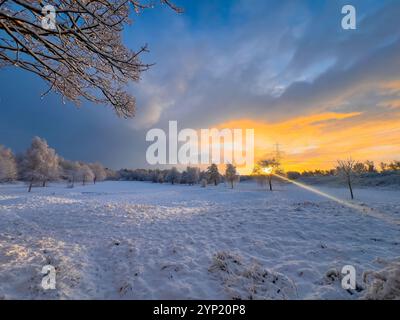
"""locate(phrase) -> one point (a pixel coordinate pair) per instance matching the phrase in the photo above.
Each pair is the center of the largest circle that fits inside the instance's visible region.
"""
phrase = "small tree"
(173, 176)
(231, 174)
(192, 175)
(265, 169)
(346, 169)
(70, 170)
(213, 174)
(85, 173)
(8, 167)
(40, 163)
(99, 172)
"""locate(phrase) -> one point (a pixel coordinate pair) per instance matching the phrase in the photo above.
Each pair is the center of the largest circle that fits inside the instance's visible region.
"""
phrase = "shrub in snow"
(8, 167)
(383, 284)
(40, 163)
(250, 281)
(293, 175)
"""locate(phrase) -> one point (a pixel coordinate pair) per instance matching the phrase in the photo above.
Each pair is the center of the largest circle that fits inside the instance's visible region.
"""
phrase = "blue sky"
(221, 61)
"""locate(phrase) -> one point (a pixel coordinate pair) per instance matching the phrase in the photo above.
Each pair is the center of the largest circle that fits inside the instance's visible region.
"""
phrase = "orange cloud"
(317, 141)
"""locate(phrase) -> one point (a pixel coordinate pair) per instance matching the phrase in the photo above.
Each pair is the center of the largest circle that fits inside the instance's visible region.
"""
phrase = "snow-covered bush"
(242, 279)
(383, 284)
(8, 167)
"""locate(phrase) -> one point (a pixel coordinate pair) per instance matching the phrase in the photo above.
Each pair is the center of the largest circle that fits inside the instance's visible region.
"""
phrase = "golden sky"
(318, 141)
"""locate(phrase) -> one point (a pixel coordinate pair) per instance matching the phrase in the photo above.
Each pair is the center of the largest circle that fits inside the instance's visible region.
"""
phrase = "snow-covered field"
(135, 240)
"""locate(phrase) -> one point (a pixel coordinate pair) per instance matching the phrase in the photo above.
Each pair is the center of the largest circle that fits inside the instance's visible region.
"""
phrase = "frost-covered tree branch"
(82, 55)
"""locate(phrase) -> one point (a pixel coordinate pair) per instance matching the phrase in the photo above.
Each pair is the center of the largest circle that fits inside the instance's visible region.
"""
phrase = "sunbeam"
(361, 208)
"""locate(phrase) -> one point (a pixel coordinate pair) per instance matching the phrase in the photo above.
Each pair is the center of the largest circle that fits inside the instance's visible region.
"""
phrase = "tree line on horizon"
(40, 164)
(189, 176)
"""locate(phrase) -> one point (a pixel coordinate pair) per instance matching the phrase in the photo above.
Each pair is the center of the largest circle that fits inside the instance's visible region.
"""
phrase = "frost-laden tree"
(70, 171)
(346, 168)
(40, 163)
(231, 174)
(173, 176)
(213, 174)
(8, 167)
(98, 171)
(85, 174)
(75, 46)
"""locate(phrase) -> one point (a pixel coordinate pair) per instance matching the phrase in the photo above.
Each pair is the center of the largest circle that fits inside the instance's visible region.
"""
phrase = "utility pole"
(278, 154)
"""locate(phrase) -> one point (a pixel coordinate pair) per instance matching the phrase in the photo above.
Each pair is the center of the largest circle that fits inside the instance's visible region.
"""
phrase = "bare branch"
(83, 56)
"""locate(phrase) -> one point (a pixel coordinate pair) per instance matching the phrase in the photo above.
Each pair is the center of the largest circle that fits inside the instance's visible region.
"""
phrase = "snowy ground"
(134, 240)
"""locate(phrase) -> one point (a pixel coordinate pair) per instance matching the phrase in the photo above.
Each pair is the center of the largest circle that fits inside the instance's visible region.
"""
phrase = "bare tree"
(265, 169)
(77, 49)
(346, 168)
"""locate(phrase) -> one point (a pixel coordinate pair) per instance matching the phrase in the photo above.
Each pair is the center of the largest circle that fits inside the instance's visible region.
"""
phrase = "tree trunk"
(351, 188)
(232, 183)
(44, 183)
(215, 182)
(30, 186)
(270, 183)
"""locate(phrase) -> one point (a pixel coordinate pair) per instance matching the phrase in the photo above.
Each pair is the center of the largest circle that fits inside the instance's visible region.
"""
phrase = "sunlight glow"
(361, 208)
(268, 170)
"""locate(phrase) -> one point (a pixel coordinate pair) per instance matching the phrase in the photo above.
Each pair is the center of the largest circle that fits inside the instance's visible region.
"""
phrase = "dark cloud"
(221, 60)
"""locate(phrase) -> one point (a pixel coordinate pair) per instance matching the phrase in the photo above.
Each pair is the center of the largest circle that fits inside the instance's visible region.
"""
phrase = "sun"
(267, 170)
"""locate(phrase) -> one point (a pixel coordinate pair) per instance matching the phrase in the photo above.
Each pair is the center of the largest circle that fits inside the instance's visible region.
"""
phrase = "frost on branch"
(83, 56)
